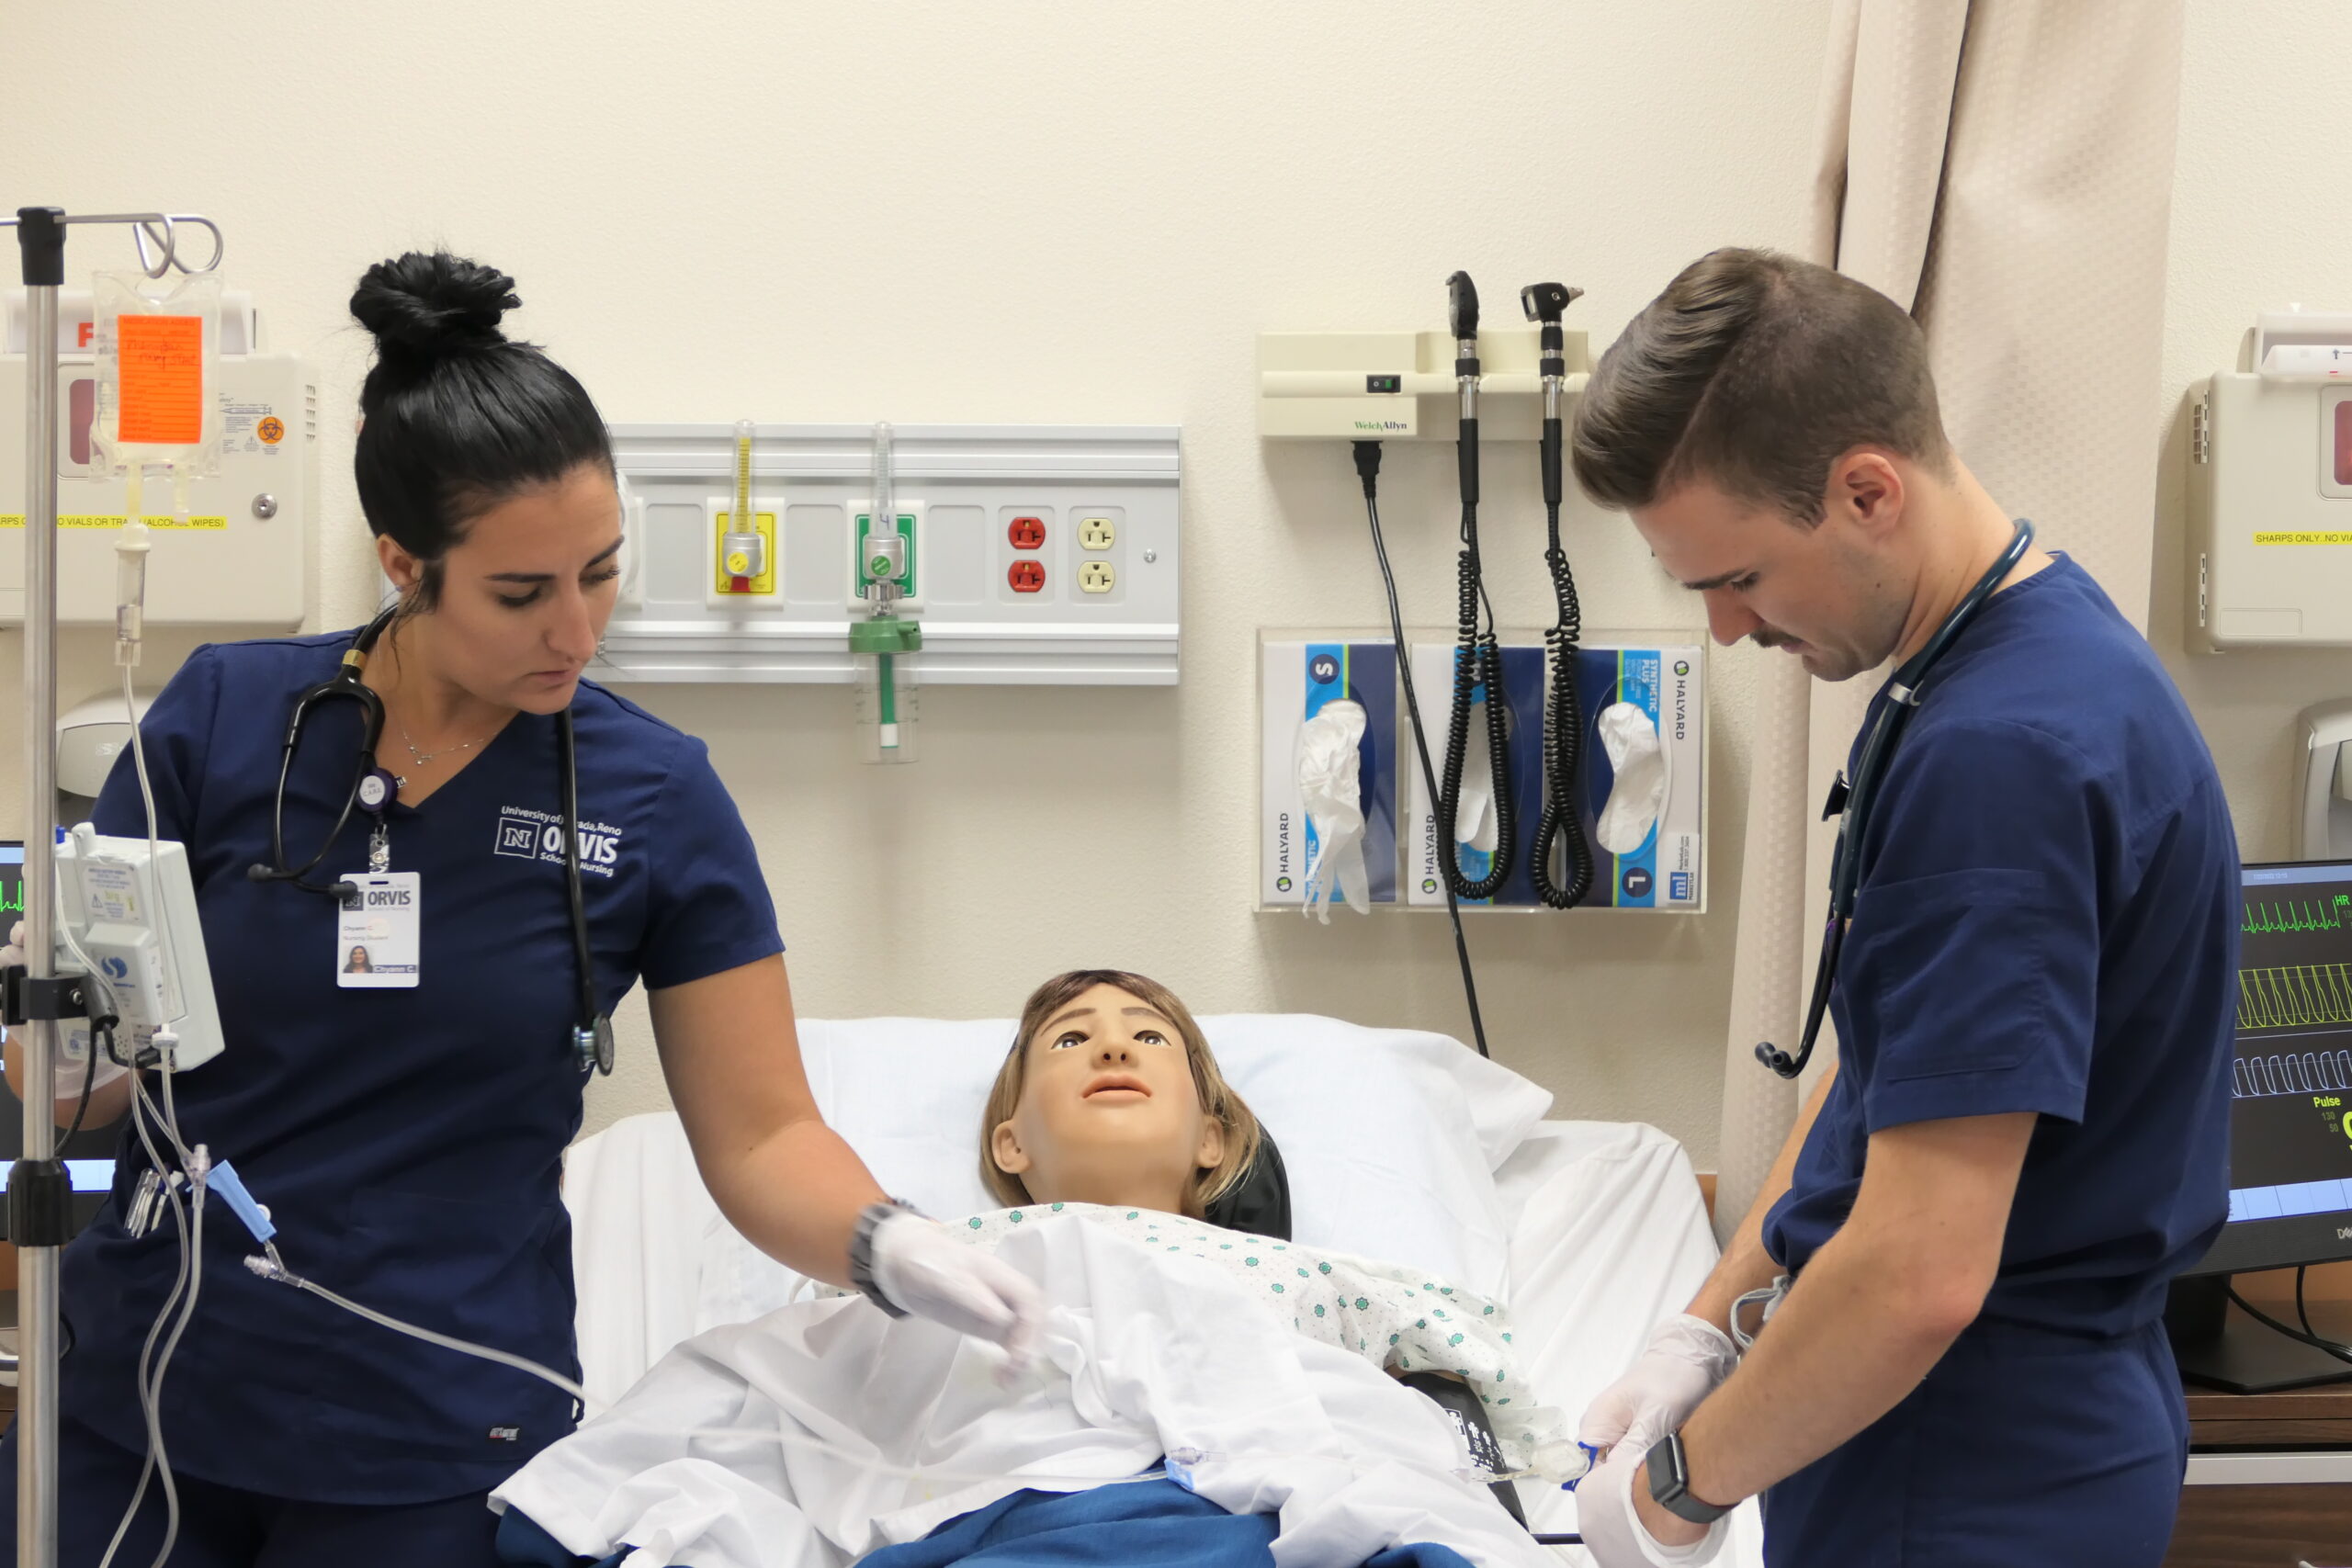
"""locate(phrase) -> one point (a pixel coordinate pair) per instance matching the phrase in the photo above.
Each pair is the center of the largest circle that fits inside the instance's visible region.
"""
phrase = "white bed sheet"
(1607, 1234)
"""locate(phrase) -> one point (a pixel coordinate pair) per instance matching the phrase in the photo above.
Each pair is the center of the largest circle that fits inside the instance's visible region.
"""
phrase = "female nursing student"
(406, 1131)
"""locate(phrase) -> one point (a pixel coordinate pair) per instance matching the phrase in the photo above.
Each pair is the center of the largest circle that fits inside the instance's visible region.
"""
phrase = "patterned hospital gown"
(1399, 1318)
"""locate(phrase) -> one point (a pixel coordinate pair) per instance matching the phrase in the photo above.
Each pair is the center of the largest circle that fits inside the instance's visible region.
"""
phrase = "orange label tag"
(162, 379)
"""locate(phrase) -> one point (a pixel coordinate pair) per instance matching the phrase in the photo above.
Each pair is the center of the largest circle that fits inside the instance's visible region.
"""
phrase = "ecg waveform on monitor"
(12, 899)
(2304, 1072)
(2299, 995)
(2298, 915)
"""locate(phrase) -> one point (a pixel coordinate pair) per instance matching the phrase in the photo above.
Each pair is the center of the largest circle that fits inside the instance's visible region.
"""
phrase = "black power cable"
(1562, 816)
(1368, 469)
(2317, 1342)
(1478, 660)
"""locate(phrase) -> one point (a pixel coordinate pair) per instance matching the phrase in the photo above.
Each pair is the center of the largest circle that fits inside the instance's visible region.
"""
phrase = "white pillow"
(1391, 1136)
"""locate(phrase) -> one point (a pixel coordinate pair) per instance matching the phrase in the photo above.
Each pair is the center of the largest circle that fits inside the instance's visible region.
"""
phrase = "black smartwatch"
(1670, 1484)
(861, 1251)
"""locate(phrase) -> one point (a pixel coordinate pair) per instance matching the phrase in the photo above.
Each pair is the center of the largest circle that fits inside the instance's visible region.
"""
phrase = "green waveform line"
(2299, 995)
(2262, 919)
(12, 899)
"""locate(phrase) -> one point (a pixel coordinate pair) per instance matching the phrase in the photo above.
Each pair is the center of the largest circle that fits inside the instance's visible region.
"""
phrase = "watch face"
(1670, 1484)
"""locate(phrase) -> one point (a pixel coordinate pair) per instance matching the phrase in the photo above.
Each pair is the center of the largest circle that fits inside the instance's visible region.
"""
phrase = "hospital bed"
(1399, 1144)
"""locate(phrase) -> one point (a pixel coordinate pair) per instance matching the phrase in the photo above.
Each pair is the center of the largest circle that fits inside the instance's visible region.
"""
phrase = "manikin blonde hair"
(1217, 1099)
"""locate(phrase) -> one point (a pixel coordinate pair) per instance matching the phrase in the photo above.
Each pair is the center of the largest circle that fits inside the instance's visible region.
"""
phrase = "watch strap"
(861, 1251)
(1669, 1472)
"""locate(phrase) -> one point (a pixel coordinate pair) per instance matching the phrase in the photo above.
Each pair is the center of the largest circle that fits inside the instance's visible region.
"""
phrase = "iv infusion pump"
(134, 916)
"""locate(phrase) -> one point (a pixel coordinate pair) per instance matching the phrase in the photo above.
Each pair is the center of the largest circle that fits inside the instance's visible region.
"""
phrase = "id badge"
(377, 932)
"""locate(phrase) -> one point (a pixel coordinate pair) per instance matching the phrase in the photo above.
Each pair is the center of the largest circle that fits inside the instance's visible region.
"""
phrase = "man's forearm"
(1745, 1265)
(1876, 1307)
(1846, 1347)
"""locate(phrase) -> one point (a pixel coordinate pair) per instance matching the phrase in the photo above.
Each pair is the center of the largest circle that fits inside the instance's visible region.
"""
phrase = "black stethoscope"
(1851, 805)
(371, 789)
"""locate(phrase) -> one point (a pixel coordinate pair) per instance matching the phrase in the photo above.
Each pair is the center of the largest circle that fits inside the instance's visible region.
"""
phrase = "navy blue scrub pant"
(223, 1527)
(2023, 1448)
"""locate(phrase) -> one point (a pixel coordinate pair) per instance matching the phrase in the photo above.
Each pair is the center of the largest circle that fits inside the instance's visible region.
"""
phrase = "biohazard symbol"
(271, 430)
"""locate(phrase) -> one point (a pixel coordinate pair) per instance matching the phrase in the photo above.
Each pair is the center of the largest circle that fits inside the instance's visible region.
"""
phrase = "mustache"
(1767, 637)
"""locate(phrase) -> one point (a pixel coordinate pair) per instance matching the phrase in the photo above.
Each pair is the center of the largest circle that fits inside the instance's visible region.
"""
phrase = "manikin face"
(1833, 594)
(526, 596)
(1109, 1112)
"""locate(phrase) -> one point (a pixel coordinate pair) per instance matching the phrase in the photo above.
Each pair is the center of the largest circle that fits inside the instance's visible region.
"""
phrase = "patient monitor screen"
(2290, 1079)
(89, 1158)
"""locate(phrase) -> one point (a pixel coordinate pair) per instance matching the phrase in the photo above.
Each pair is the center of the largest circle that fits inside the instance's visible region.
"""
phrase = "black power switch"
(1383, 383)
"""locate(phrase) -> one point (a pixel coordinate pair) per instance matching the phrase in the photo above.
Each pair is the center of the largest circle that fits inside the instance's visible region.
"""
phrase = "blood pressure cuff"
(1257, 1204)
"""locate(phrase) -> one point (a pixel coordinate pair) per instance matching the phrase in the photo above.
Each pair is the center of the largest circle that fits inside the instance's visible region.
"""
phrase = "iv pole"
(39, 1193)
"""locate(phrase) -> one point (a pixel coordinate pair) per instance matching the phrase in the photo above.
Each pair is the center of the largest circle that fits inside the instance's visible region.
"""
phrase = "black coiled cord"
(1563, 736)
(1479, 660)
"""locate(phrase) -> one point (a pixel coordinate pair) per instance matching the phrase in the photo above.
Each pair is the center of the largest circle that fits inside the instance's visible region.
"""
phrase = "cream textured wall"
(2258, 221)
(1019, 212)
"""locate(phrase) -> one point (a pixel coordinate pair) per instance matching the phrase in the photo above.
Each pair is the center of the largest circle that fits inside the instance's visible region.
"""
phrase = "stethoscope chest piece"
(592, 1044)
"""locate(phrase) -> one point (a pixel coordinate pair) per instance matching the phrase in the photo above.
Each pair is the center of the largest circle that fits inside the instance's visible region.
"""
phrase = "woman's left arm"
(731, 1057)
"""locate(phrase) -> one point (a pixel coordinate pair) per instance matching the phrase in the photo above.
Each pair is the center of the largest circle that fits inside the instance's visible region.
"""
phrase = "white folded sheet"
(1149, 1355)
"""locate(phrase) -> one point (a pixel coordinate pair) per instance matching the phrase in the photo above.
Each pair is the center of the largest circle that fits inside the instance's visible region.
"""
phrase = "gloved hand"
(1687, 1360)
(926, 1271)
(1613, 1534)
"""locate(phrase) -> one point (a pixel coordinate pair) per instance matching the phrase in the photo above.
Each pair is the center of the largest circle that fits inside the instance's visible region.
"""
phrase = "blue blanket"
(1141, 1524)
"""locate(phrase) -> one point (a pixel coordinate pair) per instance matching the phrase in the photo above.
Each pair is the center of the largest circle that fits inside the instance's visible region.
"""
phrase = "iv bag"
(158, 351)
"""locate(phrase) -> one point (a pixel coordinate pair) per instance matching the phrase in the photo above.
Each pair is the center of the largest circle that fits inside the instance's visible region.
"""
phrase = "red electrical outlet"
(1027, 533)
(1027, 576)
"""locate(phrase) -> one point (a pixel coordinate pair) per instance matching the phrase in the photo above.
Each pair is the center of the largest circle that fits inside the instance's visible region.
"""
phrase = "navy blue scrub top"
(2048, 922)
(408, 1143)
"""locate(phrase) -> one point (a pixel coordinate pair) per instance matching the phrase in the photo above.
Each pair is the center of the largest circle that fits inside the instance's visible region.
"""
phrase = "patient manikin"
(1232, 1397)
(1110, 1096)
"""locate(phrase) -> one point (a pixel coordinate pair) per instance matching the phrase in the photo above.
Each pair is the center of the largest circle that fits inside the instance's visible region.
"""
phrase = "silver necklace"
(422, 758)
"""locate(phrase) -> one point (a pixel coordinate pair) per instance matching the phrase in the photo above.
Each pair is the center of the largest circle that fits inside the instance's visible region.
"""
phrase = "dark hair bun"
(421, 306)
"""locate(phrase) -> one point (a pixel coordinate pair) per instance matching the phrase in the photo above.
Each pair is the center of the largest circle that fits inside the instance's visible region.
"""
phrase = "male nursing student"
(2026, 1135)
(401, 1106)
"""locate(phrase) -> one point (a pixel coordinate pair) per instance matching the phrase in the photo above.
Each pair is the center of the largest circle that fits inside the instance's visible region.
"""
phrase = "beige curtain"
(2004, 169)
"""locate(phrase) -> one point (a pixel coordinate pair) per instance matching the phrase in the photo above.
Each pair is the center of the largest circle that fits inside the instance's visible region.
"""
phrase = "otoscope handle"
(1546, 303)
(1467, 455)
(1551, 462)
(1463, 305)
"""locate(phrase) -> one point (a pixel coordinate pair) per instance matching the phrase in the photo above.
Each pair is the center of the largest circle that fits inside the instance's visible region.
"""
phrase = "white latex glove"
(1687, 1360)
(1329, 786)
(1638, 761)
(1613, 1534)
(1476, 821)
(929, 1273)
